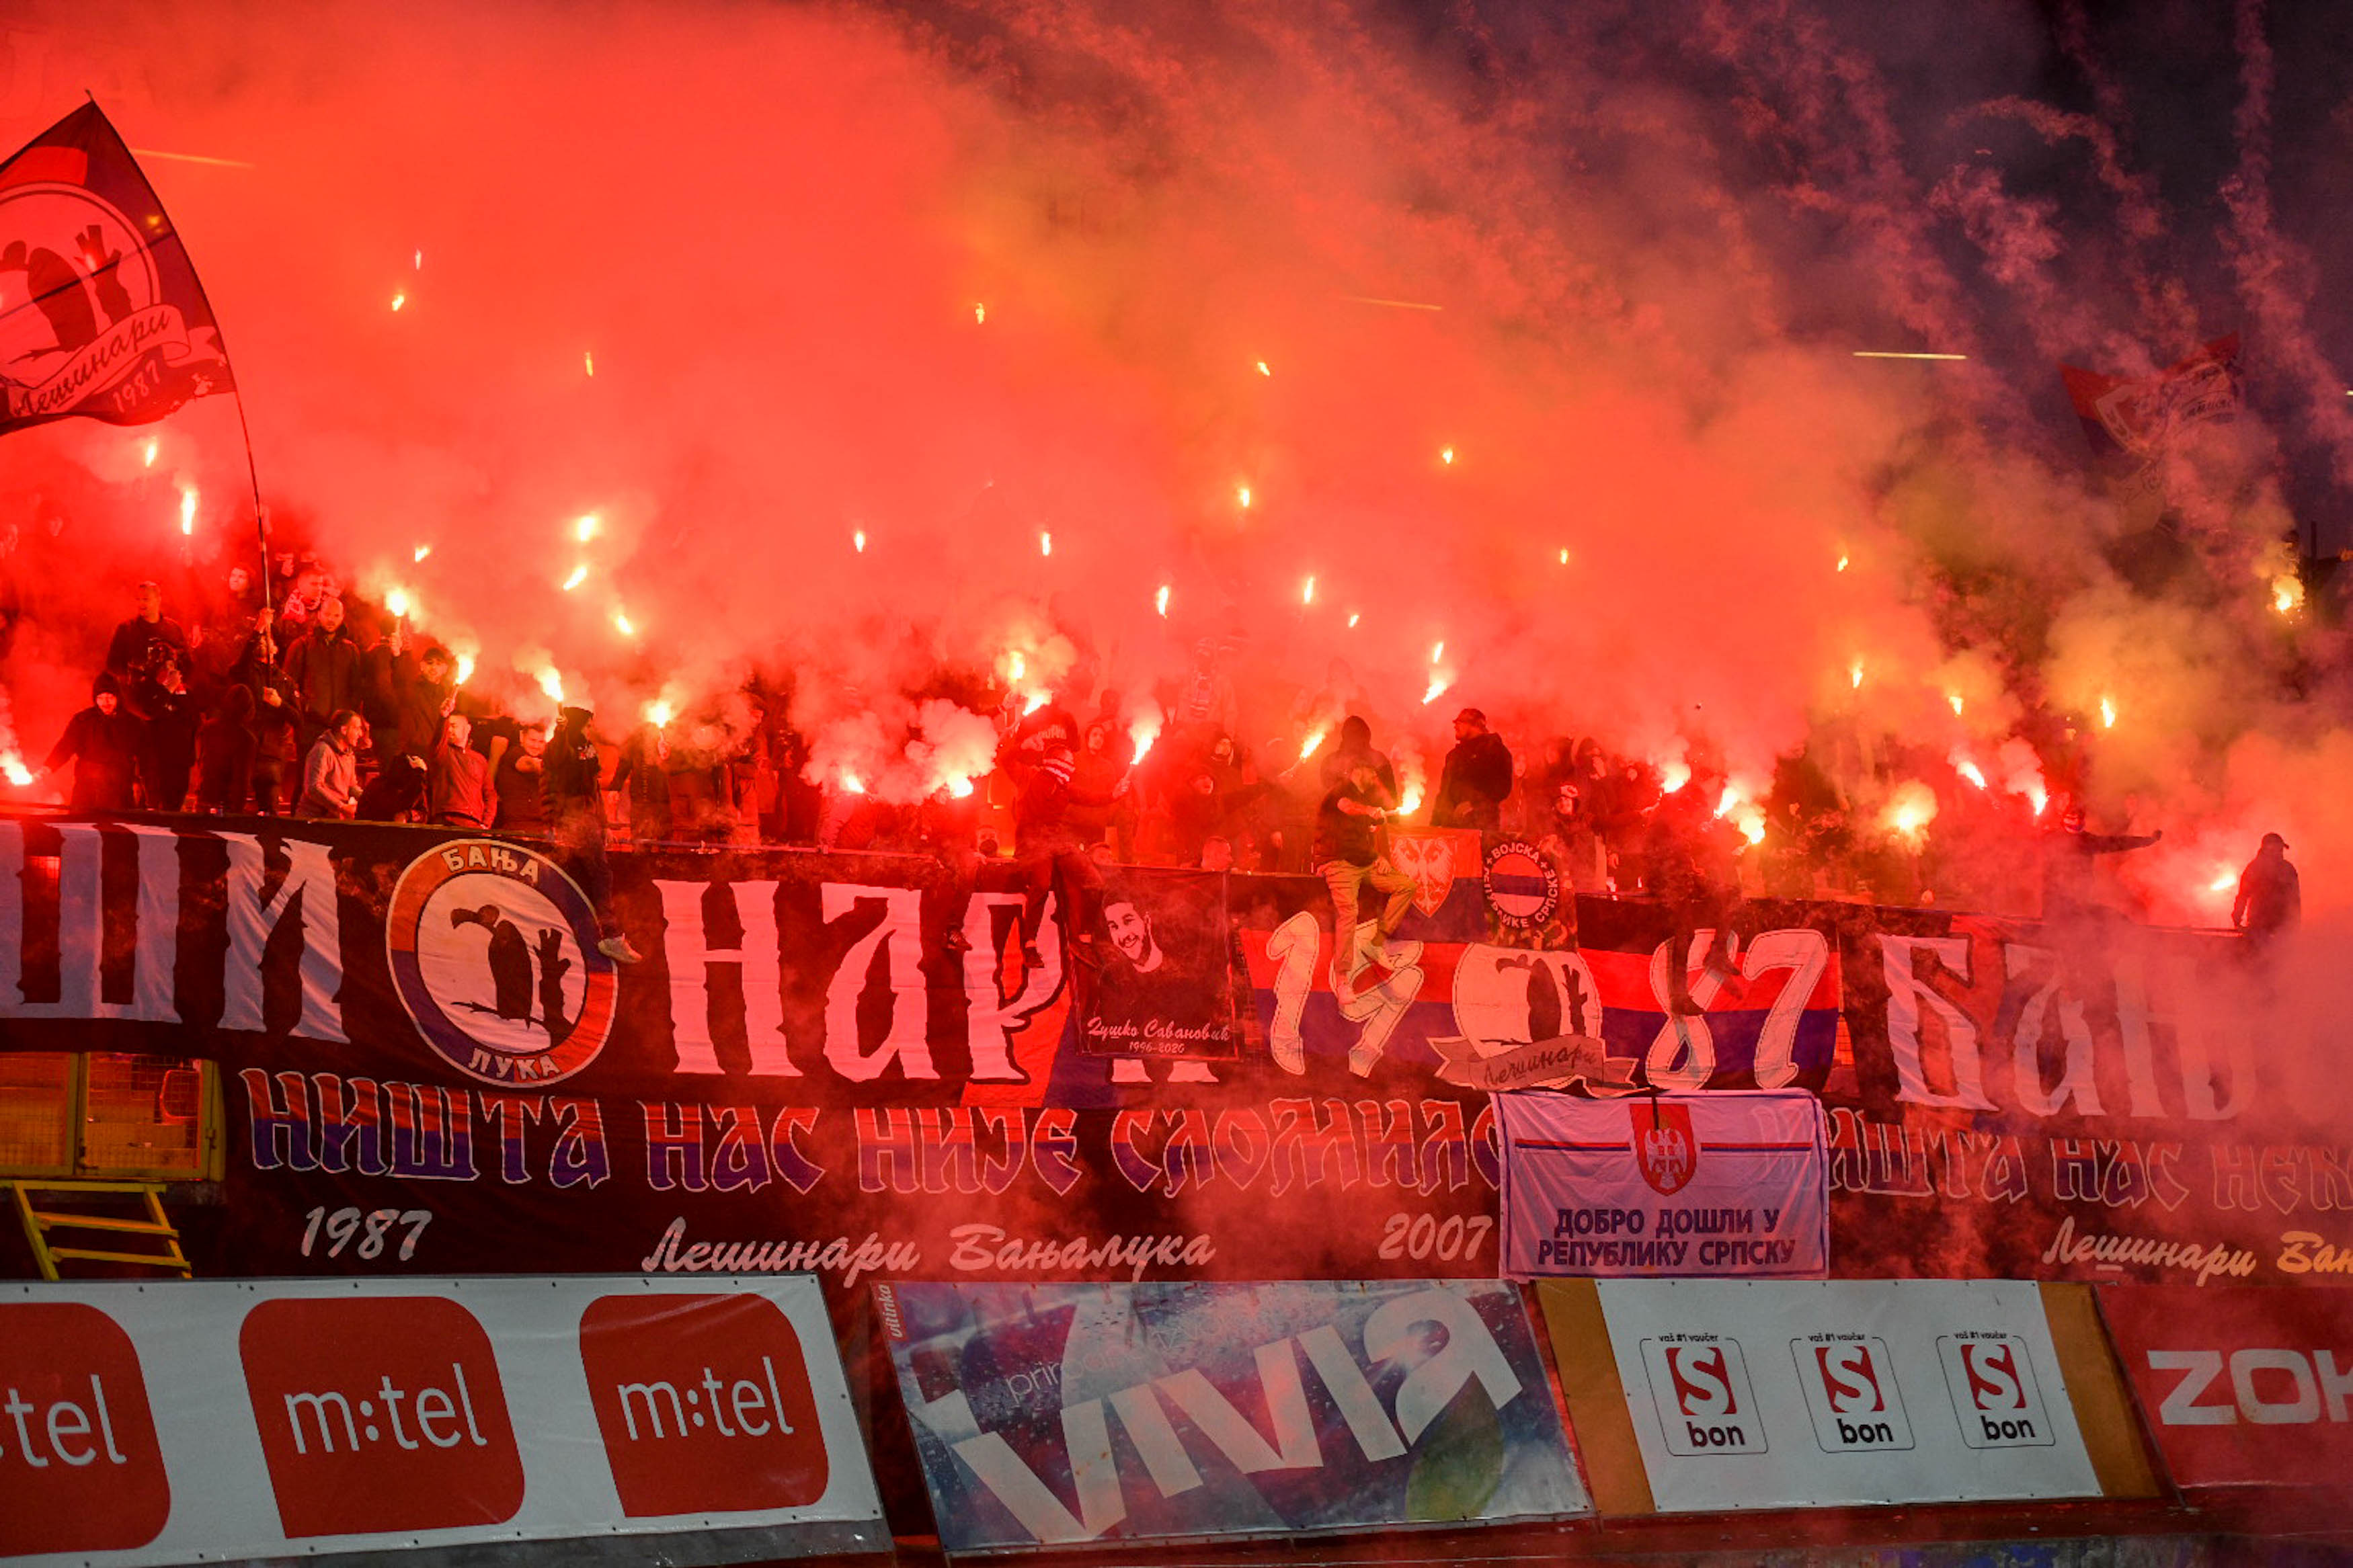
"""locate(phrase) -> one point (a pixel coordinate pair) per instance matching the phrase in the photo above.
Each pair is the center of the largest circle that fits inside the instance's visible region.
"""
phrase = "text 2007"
(373, 1227)
(1425, 1236)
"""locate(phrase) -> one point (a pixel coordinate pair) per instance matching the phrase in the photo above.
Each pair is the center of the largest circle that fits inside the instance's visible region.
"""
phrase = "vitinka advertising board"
(431, 1068)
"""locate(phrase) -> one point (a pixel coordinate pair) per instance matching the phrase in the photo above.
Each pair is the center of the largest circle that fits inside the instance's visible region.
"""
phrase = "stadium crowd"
(319, 706)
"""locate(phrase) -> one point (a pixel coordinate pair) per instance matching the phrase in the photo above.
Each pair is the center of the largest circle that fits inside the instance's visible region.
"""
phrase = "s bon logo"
(493, 953)
(1995, 1395)
(1849, 1383)
(1700, 1385)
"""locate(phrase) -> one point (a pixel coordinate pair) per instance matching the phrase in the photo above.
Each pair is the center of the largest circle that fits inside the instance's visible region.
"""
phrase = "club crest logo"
(85, 326)
(1664, 1148)
(493, 954)
(1523, 886)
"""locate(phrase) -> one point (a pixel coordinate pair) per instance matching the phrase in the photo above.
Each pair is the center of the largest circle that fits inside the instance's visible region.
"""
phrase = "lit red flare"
(13, 768)
(1143, 733)
(1910, 810)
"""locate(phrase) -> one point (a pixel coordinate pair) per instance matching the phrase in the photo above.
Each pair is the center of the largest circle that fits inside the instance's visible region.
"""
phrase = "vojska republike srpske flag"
(100, 314)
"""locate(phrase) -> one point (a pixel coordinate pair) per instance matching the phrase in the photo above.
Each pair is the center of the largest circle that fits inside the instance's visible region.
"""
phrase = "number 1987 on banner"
(373, 1227)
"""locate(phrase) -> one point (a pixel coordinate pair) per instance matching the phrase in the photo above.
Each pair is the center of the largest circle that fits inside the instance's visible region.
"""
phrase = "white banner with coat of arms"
(1726, 1184)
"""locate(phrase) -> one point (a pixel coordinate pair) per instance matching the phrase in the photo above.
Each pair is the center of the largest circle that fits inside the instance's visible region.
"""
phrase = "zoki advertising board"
(1790, 1394)
(180, 1421)
(2246, 1387)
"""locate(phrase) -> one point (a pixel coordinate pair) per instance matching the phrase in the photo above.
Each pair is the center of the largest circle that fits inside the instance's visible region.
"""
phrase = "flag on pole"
(101, 312)
(2140, 417)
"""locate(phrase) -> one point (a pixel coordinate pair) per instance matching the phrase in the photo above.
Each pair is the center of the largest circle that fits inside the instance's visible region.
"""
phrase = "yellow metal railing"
(109, 1116)
(146, 1220)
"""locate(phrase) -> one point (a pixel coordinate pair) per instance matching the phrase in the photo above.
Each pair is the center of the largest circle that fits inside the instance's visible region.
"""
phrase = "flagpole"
(252, 471)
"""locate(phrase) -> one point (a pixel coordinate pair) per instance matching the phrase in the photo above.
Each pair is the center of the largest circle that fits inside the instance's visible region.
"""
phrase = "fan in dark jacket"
(103, 743)
(167, 740)
(423, 697)
(2069, 857)
(277, 723)
(328, 671)
(1476, 779)
(225, 751)
(573, 784)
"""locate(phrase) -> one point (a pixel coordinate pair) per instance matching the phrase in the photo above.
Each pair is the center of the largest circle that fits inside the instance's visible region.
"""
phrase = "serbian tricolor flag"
(100, 314)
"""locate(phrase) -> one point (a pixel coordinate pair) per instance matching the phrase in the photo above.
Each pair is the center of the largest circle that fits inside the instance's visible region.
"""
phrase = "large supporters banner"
(2004, 1101)
(1790, 1395)
(1730, 1184)
(430, 1069)
(193, 1421)
(2241, 1387)
(1053, 1415)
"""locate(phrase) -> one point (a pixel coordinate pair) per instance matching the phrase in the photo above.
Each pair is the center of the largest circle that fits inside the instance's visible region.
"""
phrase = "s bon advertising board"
(1788, 1394)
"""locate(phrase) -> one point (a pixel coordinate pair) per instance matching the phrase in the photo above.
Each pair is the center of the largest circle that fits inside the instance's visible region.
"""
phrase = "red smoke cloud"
(1537, 346)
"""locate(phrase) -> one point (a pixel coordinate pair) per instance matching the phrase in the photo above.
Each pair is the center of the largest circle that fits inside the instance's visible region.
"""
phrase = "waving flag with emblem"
(101, 312)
